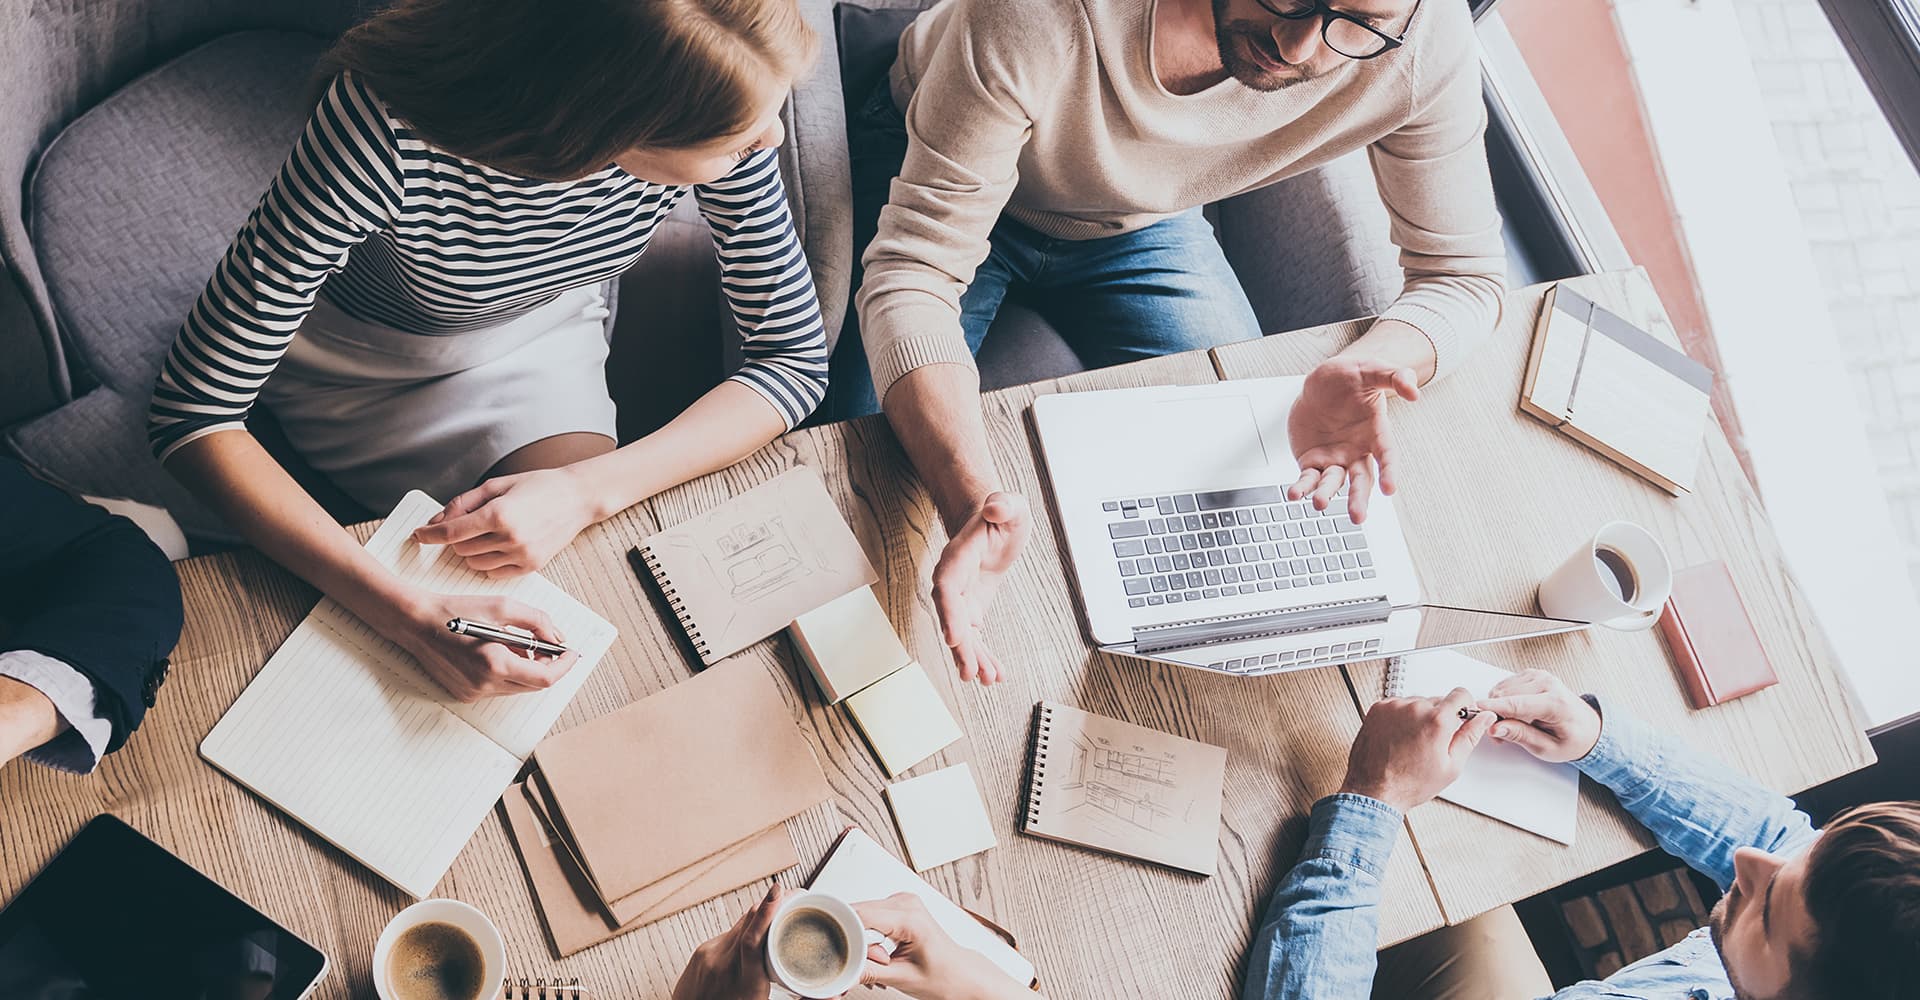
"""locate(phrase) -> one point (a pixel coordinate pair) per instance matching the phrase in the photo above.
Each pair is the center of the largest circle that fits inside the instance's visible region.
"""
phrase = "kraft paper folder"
(667, 782)
(747, 568)
(344, 732)
(571, 908)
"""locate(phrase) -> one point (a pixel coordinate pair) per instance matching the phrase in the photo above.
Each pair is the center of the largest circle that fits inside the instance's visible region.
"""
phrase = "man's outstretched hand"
(968, 574)
(1338, 429)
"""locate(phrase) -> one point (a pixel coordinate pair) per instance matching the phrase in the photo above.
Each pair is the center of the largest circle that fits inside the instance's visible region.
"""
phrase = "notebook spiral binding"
(1396, 679)
(674, 602)
(1037, 763)
(542, 989)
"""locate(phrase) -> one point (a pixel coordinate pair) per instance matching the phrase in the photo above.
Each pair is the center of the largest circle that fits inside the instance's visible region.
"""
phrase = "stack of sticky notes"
(941, 817)
(856, 657)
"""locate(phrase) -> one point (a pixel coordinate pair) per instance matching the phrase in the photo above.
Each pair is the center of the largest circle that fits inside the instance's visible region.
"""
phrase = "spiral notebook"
(1124, 789)
(344, 732)
(747, 568)
(1500, 779)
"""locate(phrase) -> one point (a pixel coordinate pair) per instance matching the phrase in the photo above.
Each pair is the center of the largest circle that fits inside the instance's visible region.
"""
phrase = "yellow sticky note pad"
(941, 817)
(848, 643)
(904, 719)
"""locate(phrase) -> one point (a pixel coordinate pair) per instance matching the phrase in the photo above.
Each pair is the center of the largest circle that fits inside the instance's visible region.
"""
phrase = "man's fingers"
(1454, 701)
(1524, 682)
(1523, 707)
(1524, 736)
(1469, 735)
(1330, 481)
(755, 923)
(1302, 486)
(1360, 475)
(1383, 455)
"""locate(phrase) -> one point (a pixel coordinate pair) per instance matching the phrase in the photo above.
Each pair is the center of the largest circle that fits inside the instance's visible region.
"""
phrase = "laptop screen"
(1399, 632)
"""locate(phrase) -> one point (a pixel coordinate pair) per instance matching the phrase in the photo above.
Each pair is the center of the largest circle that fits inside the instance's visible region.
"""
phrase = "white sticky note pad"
(941, 817)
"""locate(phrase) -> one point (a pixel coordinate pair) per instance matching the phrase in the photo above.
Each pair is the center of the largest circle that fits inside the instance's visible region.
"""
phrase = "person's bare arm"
(231, 473)
(27, 718)
(935, 412)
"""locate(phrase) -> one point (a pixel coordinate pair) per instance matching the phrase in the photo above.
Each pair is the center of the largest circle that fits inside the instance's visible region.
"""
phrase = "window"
(1734, 149)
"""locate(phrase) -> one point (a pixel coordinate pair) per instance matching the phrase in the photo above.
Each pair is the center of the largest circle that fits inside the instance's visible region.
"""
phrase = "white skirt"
(382, 411)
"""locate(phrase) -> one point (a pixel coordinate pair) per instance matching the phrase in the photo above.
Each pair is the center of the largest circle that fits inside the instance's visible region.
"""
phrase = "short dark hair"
(1863, 892)
(555, 89)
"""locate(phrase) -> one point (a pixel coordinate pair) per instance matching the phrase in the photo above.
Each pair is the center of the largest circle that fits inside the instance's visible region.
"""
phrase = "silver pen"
(495, 633)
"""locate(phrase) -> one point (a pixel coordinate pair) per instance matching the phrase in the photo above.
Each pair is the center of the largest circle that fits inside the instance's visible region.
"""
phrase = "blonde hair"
(555, 89)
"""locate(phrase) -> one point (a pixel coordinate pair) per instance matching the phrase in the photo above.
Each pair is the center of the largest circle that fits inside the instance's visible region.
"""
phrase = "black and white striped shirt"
(408, 236)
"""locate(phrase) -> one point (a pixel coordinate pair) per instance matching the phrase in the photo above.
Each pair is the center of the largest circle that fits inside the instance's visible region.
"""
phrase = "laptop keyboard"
(1190, 548)
(1305, 656)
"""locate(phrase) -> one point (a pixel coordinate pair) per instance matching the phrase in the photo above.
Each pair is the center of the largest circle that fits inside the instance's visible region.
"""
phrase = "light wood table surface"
(1097, 926)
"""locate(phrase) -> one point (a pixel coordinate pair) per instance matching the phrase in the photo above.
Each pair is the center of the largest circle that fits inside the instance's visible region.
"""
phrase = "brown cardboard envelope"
(571, 909)
(677, 777)
(768, 847)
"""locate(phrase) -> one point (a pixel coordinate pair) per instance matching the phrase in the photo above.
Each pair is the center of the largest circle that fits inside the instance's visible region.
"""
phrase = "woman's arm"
(514, 524)
(339, 185)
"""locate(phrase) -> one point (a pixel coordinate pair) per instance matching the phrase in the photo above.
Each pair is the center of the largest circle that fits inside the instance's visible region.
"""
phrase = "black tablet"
(115, 917)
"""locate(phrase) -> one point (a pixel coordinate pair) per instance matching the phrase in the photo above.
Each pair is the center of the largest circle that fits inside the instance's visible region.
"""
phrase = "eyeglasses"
(1342, 32)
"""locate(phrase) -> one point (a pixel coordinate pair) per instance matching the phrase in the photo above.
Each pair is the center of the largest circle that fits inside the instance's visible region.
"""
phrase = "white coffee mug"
(493, 948)
(853, 932)
(1619, 578)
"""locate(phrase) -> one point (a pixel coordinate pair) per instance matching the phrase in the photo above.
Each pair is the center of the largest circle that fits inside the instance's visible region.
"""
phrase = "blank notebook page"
(516, 722)
(345, 732)
(339, 741)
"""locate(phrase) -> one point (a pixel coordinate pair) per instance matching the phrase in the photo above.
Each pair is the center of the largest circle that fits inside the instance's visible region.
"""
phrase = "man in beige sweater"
(1061, 150)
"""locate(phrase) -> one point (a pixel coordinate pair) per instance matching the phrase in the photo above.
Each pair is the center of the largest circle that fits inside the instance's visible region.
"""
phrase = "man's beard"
(1716, 929)
(1249, 73)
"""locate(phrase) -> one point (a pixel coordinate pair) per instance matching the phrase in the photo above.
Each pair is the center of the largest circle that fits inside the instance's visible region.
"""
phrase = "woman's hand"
(472, 669)
(732, 966)
(511, 525)
(926, 963)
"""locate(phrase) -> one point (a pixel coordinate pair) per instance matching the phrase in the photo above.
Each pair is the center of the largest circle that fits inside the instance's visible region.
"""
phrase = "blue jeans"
(1160, 290)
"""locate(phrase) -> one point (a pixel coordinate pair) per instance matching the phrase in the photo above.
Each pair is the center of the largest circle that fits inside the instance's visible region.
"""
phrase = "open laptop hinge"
(1259, 624)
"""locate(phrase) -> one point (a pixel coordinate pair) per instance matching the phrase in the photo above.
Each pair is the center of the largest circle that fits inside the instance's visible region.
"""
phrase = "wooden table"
(1097, 926)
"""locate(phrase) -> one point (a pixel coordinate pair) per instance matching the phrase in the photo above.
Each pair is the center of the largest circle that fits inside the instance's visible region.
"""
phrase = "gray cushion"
(131, 208)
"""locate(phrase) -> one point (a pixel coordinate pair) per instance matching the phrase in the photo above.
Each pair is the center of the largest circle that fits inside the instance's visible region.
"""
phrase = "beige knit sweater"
(1051, 110)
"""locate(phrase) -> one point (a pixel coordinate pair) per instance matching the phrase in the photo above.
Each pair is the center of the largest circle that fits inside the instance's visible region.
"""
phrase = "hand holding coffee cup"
(1619, 578)
(816, 946)
(439, 949)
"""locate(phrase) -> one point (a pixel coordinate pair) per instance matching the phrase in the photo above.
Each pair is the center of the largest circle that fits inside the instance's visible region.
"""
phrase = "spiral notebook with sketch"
(1124, 789)
(747, 568)
(344, 732)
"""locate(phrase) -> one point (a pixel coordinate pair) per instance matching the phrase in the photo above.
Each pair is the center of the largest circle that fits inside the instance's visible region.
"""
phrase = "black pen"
(495, 633)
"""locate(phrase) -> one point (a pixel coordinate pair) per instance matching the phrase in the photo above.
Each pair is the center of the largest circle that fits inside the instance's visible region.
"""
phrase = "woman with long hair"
(420, 295)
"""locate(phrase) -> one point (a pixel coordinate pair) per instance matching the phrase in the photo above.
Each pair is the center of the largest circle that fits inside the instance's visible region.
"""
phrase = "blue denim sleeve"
(1322, 925)
(1699, 809)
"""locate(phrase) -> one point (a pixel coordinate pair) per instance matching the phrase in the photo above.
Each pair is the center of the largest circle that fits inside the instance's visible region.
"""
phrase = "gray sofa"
(136, 135)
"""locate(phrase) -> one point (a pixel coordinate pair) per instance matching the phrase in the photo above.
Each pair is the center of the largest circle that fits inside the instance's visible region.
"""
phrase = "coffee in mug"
(812, 947)
(439, 949)
(816, 946)
(435, 961)
(1618, 578)
(1616, 572)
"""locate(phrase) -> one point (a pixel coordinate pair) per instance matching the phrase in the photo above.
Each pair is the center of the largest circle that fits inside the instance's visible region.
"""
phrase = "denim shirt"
(1322, 926)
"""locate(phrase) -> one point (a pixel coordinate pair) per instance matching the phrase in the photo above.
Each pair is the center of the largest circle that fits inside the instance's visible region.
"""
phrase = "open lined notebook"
(343, 730)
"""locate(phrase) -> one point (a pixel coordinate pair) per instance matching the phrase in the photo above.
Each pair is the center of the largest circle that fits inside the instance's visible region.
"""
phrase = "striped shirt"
(408, 236)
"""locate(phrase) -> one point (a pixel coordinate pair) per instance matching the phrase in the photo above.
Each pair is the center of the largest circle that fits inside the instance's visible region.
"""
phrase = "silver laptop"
(1187, 551)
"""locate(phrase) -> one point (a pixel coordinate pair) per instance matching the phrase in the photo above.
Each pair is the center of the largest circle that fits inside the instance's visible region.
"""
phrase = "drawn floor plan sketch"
(756, 557)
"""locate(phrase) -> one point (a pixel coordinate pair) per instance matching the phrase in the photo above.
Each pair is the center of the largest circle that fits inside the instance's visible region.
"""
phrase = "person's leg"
(1161, 290)
(1486, 958)
(552, 453)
